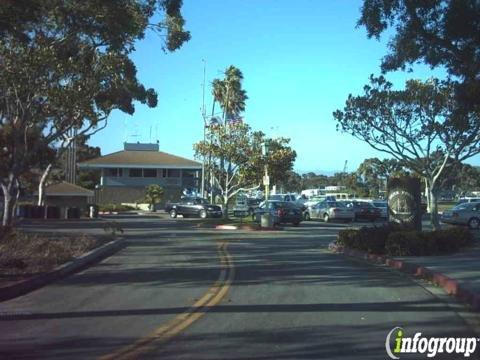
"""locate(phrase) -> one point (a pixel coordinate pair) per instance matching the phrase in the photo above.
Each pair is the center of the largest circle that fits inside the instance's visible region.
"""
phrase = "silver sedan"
(463, 214)
(329, 210)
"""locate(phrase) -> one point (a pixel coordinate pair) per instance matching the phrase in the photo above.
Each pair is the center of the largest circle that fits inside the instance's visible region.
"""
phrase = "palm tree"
(217, 92)
(229, 93)
(153, 195)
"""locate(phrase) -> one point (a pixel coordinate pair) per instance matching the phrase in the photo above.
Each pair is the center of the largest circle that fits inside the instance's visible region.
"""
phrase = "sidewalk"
(458, 274)
(464, 267)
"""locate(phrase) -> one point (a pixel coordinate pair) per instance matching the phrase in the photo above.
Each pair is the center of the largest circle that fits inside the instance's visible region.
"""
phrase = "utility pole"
(204, 128)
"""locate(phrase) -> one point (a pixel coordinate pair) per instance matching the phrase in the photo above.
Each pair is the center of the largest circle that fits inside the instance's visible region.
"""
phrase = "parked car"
(383, 206)
(329, 210)
(281, 212)
(468, 200)
(283, 197)
(364, 210)
(193, 206)
(245, 206)
(464, 214)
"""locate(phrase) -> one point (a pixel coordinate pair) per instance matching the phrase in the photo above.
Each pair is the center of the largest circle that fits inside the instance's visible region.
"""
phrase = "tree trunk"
(10, 192)
(225, 204)
(41, 185)
(433, 208)
(225, 210)
(427, 195)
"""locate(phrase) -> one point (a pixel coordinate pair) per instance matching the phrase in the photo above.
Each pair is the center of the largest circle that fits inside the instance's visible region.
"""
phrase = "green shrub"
(349, 238)
(415, 243)
(406, 243)
(451, 240)
(396, 241)
(370, 239)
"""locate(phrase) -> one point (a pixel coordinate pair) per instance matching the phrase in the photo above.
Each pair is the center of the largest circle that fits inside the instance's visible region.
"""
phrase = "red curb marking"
(449, 285)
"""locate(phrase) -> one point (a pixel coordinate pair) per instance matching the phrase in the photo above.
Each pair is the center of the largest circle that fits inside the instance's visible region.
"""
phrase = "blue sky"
(300, 60)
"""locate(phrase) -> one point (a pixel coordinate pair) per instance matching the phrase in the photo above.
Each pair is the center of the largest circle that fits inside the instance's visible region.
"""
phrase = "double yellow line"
(162, 334)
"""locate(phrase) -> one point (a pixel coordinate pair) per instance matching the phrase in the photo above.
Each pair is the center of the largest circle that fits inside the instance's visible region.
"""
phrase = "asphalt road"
(274, 295)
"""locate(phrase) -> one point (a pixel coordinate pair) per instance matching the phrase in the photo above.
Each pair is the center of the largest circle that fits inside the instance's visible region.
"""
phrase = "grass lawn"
(442, 206)
(220, 221)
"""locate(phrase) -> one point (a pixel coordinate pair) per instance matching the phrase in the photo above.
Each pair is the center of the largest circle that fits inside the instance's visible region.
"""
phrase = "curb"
(449, 285)
(25, 286)
(247, 228)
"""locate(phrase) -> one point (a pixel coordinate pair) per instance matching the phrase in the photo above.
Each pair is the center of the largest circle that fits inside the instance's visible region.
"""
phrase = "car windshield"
(199, 201)
(337, 204)
(275, 197)
(463, 206)
(363, 204)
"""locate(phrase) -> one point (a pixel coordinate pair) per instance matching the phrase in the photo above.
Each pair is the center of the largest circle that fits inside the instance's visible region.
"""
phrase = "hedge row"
(395, 241)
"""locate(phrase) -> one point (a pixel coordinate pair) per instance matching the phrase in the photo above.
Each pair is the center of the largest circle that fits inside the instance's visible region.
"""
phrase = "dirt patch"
(25, 254)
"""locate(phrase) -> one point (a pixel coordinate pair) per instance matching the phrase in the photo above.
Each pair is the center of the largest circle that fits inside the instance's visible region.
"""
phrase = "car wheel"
(326, 218)
(203, 214)
(306, 216)
(173, 213)
(474, 223)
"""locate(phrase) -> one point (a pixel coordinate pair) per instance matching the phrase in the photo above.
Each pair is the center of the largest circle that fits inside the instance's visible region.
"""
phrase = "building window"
(135, 173)
(189, 174)
(114, 172)
(149, 173)
(173, 173)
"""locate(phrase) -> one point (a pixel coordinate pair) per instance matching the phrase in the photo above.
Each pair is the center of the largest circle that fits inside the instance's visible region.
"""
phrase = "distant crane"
(345, 167)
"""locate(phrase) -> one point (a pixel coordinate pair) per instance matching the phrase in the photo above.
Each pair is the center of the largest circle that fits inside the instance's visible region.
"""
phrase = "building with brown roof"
(126, 173)
(65, 195)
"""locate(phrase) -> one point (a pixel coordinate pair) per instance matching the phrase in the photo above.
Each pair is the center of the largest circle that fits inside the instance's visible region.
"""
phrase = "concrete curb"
(246, 227)
(25, 286)
(449, 285)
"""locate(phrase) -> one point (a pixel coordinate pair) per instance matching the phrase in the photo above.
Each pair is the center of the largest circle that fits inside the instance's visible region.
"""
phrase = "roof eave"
(137, 166)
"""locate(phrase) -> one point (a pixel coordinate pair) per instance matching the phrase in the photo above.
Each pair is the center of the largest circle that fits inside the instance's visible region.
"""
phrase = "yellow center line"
(165, 332)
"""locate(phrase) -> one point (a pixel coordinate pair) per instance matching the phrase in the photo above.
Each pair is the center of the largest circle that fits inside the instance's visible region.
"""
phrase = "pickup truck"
(193, 206)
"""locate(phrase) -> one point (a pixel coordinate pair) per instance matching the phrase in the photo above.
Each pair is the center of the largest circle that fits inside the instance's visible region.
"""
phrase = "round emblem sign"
(402, 206)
